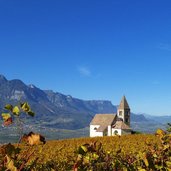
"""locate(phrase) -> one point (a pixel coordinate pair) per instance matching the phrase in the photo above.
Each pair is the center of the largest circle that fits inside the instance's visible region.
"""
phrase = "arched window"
(127, 113)
(115, 132)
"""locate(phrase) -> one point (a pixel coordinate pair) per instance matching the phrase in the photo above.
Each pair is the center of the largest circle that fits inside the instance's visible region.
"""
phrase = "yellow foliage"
(16, 110)
(34, 139)
(6, 116)
(10, 164)
(160, 132)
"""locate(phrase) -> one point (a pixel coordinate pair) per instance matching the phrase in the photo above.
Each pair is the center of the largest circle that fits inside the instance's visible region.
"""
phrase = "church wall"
(121, 116)
(109, 130)
(93, 132)
(116, 131)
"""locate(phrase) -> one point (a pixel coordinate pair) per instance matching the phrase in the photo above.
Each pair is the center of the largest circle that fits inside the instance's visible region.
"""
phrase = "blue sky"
(91, 49)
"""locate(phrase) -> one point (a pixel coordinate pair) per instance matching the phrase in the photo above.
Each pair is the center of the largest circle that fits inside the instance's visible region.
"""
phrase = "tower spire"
(124, 103)
(124, 111)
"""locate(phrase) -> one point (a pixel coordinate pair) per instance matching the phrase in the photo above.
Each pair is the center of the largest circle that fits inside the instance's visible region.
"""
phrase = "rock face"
(52, 108)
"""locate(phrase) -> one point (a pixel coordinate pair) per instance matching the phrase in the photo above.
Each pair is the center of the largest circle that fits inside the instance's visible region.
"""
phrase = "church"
(112, 124)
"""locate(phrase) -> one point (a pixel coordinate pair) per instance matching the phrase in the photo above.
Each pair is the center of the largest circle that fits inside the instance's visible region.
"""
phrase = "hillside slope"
(55, 109)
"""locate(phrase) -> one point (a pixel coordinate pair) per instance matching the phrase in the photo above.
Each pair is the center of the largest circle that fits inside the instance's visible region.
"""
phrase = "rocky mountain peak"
(31, 86)
(2, 78)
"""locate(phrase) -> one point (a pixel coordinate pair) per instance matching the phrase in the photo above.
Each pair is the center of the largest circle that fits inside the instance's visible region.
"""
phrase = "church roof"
(103, 119)
(101, 128)
(124, 103)
(121, 125)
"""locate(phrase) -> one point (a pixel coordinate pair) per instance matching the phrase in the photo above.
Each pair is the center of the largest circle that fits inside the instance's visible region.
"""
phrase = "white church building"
(112, 124)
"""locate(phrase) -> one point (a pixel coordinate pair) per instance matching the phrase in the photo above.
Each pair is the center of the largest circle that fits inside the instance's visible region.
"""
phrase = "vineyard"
(129, 152)
(63, 153)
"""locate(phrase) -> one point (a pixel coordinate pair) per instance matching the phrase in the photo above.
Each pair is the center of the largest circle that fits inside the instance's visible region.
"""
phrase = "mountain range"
(56, 110)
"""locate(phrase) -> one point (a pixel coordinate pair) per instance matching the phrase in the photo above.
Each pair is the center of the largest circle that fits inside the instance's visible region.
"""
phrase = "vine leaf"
(16, 110)
(10, 164)
(5, 116)
(82, 150)
(25, 107)
(9, 107)
(31, 113)
(33, 138)
(7, 119)
(8, 122)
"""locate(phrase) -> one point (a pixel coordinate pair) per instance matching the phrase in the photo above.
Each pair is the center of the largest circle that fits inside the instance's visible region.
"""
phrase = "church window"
(120, 113)
(127, 113)
(115, 132)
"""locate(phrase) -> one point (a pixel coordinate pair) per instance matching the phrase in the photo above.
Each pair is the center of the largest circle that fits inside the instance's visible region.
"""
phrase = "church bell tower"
(124, 111)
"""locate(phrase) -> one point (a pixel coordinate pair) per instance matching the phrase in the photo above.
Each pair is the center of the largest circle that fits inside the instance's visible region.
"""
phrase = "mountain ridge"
(55, 109)
(69, 112)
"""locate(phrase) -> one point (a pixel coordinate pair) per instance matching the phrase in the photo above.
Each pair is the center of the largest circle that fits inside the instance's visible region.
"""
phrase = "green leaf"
(168, 163)
(25, 107)
(82, 150)
(95, 156)
(31, 113)
(16, 110)
(165, 147)
(8, 107)
(87, 159)
(155, 155)
(145, 161)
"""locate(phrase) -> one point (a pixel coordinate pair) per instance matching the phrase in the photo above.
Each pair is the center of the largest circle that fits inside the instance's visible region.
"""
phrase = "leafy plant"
(154, 157)
(33, 139)
(92, 157)
(14, 113)
(12, 157)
